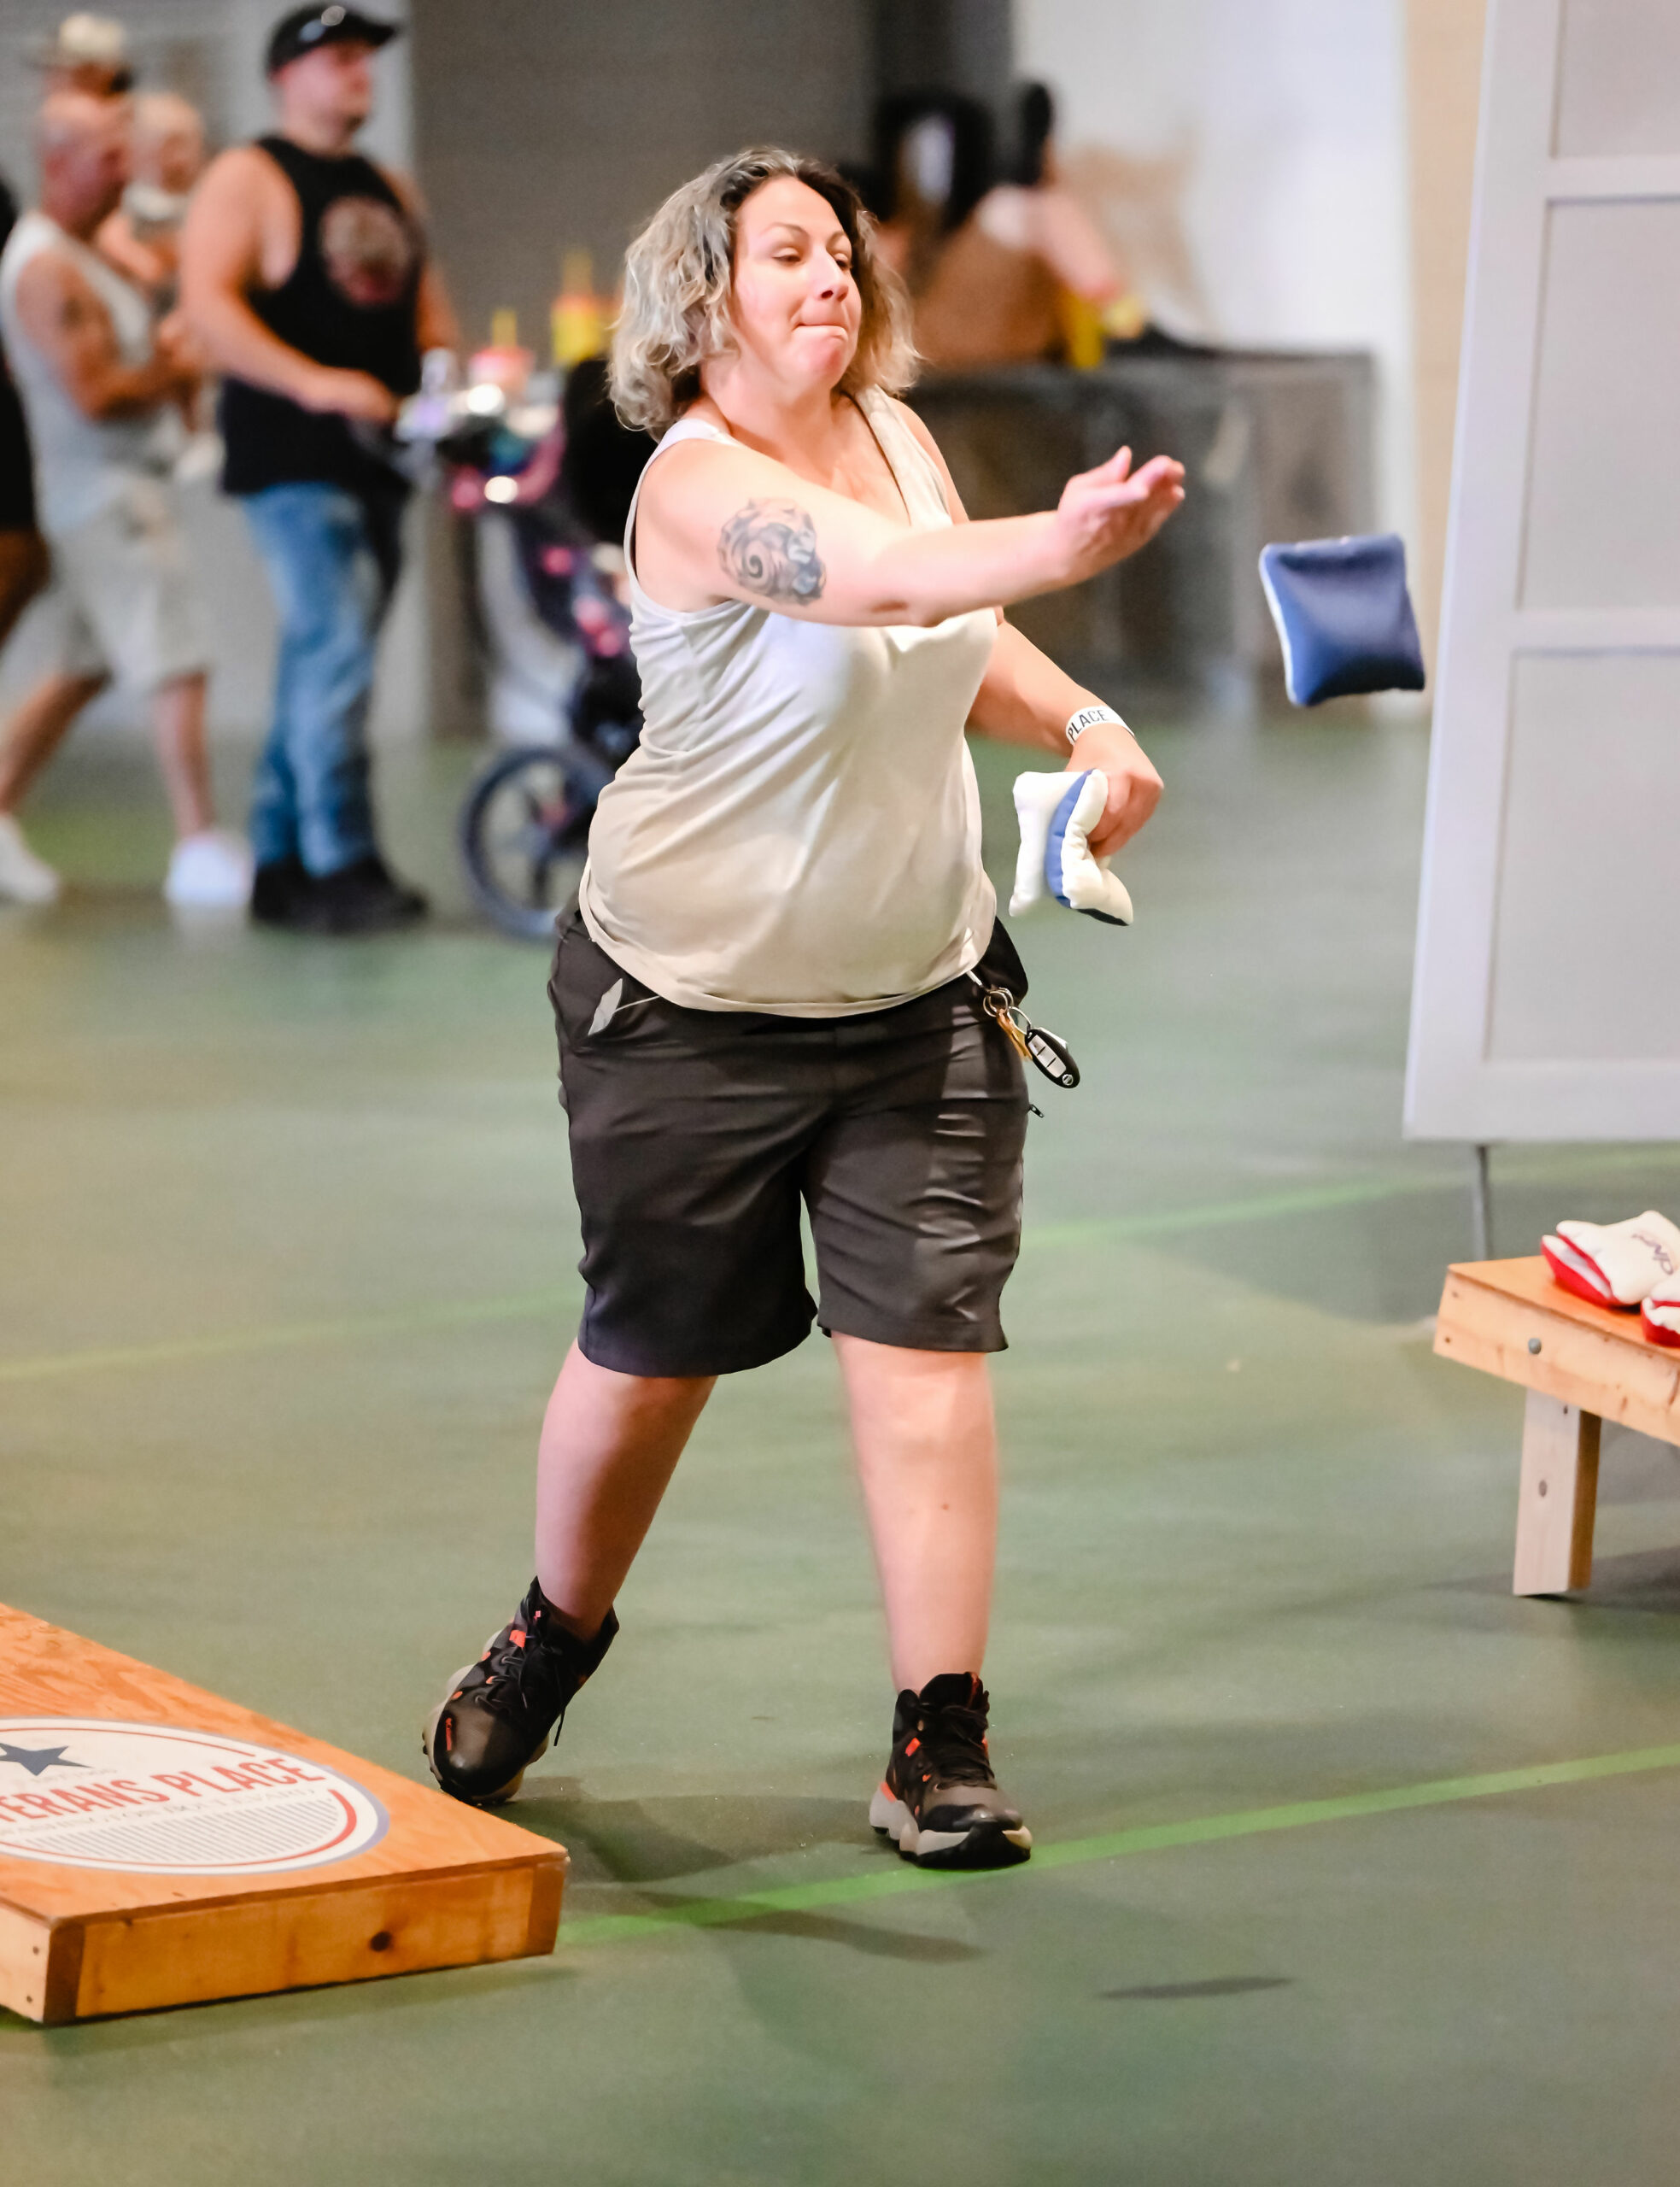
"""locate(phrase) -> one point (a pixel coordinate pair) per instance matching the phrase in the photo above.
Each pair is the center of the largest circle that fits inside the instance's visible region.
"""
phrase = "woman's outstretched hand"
(1107, 513)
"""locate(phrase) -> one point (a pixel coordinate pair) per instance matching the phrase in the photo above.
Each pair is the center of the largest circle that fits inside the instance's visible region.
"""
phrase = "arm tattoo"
(770, 547)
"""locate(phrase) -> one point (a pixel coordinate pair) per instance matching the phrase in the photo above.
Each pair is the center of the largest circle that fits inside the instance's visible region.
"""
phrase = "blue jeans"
(333, 558)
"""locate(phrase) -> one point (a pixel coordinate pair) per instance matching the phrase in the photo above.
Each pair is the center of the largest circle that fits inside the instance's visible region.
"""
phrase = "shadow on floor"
(1222, 1985)
(856, 1936)
(1634, 1468)
(1643, 1580)
(656, 1841)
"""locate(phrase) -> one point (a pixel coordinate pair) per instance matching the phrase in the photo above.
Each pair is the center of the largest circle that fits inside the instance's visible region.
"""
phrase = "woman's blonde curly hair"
(677, 277)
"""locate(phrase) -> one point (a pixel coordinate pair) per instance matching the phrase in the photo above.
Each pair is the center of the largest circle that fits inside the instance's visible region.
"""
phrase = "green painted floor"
(287, 1267)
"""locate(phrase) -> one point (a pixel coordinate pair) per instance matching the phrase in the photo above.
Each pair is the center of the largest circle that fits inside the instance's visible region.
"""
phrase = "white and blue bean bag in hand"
(1057, 813)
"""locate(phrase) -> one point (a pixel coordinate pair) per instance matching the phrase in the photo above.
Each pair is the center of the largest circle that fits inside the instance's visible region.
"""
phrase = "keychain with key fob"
(1047, 1051)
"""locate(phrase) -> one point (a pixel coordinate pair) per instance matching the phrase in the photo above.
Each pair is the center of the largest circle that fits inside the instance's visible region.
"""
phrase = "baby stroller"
(543, 489)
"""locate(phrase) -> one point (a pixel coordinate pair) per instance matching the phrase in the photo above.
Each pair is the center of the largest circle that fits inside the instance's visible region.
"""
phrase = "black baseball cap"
(306, 29)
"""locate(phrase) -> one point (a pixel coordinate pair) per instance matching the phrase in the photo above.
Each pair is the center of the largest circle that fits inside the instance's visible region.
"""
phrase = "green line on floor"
(1307, 1199)
(887, 1882)
(449, 1313)
(403, 1321)
(1317, 1199)
(1118, 1230)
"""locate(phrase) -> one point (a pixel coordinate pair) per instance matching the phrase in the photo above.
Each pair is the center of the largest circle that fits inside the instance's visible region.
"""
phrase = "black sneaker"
(939, 1799)
(365, 897)
(279, 889)
(495, 1719)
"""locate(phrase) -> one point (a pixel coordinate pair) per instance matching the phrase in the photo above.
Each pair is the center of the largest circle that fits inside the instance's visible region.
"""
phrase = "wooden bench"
(1580, 1364)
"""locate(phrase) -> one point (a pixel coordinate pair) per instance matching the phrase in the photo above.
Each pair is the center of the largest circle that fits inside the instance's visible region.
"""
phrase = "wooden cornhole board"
(159, 1846)
(1581, 1365)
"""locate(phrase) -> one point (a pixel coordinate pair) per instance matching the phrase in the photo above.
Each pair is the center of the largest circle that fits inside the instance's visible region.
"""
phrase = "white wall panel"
(1544, 1004)
(1604, 470)
(1618, 89)
(1584, 958)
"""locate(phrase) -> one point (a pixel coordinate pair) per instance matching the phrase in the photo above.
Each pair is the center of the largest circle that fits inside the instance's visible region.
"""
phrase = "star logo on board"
(35, 1759)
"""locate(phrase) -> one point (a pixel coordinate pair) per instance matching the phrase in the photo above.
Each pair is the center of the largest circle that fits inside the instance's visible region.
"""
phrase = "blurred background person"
(1027, 274)
(143, 237)
(23, 553)
(305, 273)
(89, 53)
(933, 161)
(143, 240)
(95, 376)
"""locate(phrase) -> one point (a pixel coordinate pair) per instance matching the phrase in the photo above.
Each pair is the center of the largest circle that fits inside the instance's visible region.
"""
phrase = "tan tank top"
(798, 830)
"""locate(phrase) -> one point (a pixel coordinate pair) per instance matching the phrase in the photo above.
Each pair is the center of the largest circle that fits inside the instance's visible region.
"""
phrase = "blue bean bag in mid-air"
(1345, 616)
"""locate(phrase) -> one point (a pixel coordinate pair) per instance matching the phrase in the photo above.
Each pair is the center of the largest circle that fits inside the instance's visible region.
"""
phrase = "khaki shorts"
(124, 597)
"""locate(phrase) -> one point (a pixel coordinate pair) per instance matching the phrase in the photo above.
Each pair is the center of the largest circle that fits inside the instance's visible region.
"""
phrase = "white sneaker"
(210, 871)
(25, 878)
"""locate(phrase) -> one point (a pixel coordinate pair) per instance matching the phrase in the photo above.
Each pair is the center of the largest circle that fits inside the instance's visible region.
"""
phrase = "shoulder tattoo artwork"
(770, 547)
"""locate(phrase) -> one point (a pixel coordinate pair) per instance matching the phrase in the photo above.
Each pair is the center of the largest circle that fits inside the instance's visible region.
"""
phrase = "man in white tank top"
(97, 386)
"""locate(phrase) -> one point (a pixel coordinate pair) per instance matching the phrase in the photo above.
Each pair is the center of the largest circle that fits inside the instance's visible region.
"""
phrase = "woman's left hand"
(1135, 787)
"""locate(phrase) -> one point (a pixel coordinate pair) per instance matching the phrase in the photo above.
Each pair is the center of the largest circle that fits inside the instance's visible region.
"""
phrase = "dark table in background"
(1275, 445)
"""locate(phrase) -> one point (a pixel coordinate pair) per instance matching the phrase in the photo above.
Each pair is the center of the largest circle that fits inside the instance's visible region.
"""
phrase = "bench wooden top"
(1511, 1319)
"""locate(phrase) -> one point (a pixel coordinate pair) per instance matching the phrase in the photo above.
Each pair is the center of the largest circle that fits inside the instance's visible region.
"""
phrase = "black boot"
(363, 897)
(939, 1799)
(279, 889)
(496, 1717)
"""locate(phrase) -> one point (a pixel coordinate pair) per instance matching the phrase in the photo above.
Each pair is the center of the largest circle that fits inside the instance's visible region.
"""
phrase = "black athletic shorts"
(696, 1135)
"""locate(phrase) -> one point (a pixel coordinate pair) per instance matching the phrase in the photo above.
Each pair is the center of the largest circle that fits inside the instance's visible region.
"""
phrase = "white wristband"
(1087, 717)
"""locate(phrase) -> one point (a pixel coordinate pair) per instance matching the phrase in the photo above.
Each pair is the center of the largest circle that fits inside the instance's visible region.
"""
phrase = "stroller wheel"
(524, 830)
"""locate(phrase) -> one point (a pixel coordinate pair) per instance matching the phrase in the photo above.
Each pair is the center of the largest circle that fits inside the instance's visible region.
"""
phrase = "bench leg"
(1558, 1499)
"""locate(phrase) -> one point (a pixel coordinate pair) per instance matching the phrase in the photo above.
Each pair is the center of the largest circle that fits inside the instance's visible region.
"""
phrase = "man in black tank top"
(304, 270)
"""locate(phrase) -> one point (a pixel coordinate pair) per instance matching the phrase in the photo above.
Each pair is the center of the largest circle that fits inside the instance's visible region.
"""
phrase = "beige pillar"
(1443, 42)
